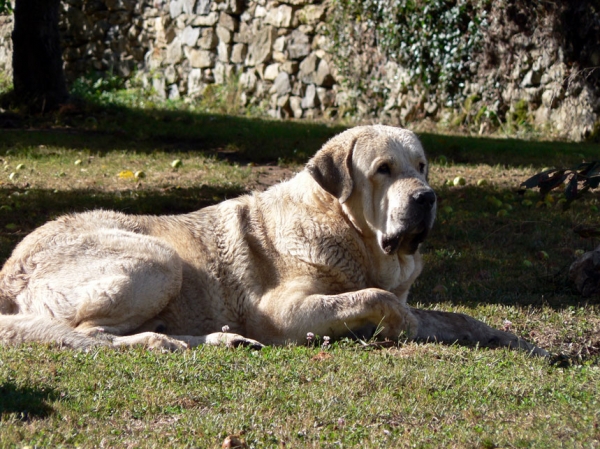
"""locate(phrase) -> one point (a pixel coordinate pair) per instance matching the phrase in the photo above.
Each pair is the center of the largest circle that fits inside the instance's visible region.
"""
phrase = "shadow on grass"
(109, 128)
(104, 128)
(26, 402)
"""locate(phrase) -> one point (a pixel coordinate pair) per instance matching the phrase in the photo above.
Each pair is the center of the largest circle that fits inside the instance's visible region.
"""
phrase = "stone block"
(310, 100)
(281, 84)
(271, 72)
(323, 76)
(283, 102)
(308, 69)
(227, 21)
(203, 7)
(280, 17)
(298, 45)
(174, 52)
(279, 57)
(201, 58)
(245, 33)
(194, 84)
(190, 36)
(296, 106)
(223, 52)
(175, 8)
(208, 20)
(290, 67)
(171, 75)
(260, 48)
(532, 78)
(248, 81)
(279, 44)
(173, 92)
(223, 72)
(238, 53)
(224, 34)
(208, 40)
(260, 12)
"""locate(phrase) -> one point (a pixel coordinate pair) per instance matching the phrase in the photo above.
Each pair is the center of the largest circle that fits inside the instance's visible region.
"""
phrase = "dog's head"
(379, 175)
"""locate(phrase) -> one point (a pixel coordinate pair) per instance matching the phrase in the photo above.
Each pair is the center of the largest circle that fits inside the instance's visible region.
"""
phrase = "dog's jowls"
(332, 251)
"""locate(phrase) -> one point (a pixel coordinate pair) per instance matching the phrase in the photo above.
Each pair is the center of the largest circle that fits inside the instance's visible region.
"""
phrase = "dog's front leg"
(356, 313)
(448, 327)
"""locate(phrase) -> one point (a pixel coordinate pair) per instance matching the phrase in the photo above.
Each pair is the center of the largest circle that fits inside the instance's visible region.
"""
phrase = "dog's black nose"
(425, 198)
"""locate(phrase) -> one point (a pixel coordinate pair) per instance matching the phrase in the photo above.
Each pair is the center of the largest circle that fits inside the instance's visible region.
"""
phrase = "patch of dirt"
(264, 176)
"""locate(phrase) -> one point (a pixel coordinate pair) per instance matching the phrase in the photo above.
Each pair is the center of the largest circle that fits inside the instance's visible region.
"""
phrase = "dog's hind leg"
(17, 329)
(448, 327)
(108, 282)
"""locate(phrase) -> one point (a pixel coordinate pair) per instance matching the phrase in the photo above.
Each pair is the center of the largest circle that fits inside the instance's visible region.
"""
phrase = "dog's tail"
(20, 328)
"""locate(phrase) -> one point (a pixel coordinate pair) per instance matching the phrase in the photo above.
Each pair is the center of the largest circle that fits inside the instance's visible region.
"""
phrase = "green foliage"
(107, 88)
(433, 39)
(5, 83)
(6, 7)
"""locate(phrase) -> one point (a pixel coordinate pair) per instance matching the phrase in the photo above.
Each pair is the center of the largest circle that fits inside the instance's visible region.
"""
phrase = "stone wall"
(275, 50)
(279, 53)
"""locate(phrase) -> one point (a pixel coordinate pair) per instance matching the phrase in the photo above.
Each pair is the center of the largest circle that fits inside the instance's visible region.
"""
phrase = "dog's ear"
(331, 167)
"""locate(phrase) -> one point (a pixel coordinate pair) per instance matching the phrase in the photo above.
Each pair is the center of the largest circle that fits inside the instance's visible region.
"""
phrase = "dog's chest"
(389, 272)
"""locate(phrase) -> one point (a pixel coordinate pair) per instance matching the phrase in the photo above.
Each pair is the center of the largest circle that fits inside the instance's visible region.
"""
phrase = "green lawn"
(497, 266)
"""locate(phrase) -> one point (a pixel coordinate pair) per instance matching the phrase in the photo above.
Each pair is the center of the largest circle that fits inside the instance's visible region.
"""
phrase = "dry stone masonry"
(279, 54)
(276, 50)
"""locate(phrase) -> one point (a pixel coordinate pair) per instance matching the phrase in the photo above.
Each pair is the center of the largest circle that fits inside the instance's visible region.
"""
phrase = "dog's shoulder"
(309, 226)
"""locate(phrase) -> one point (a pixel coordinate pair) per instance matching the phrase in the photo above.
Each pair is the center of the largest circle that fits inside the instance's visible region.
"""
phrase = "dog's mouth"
(406, 242)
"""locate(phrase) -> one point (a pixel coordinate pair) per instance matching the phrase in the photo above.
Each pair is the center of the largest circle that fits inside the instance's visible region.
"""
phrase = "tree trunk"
(38, 75)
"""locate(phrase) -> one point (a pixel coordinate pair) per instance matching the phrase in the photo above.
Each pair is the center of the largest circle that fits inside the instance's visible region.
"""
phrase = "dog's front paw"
(232, 340)
(151, 340)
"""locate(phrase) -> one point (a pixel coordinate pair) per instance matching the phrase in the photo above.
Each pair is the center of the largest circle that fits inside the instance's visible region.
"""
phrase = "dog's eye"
(422, 167)
(384, 169)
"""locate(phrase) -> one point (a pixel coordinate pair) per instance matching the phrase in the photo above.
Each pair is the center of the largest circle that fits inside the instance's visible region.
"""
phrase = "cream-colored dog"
(332, 251)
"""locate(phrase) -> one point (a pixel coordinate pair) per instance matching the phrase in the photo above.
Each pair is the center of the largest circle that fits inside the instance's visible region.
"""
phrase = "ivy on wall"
(433, 40)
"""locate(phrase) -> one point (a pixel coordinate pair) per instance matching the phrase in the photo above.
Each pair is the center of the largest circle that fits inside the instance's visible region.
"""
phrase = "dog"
(332, 251)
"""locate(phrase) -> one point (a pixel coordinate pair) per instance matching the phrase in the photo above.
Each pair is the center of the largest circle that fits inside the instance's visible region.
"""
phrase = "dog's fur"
(332, 251)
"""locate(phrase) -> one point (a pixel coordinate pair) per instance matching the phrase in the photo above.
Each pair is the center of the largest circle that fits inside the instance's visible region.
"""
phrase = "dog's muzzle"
(415, 227)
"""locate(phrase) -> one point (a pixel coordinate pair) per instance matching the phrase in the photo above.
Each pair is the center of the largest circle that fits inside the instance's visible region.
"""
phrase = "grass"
(411, 395)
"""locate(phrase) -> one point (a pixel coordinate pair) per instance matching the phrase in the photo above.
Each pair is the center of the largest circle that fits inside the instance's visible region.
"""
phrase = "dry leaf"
(234, 442)
(322, 356)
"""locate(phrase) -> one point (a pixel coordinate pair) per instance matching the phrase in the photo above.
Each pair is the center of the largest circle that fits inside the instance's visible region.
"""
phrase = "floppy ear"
(331, 167)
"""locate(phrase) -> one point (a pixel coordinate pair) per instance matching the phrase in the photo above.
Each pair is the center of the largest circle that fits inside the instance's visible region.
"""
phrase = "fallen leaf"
(126, 174)
(234, 442)
(322, 356)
